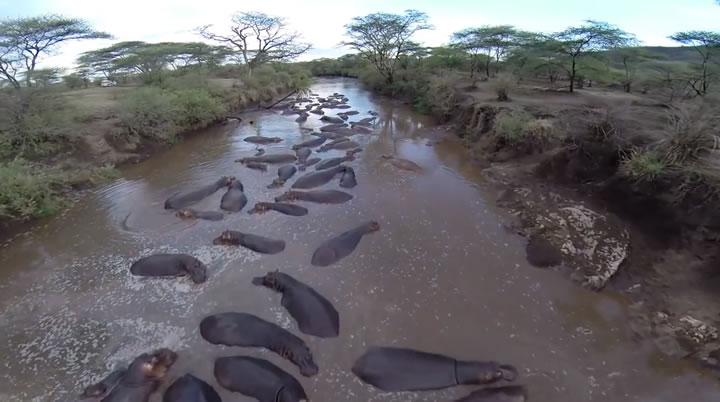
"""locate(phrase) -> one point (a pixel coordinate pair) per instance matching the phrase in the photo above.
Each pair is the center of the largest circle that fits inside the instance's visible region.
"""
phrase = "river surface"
(441, 275)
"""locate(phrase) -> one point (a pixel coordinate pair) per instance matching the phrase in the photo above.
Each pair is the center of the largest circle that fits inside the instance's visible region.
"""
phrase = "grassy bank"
(54, 139)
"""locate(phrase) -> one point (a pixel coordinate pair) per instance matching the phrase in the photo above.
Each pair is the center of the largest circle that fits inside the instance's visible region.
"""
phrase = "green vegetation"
(517, 127)
(643, 165)
(27, 191)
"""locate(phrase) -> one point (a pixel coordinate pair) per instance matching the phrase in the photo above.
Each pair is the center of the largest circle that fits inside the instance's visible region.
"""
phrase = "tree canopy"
(24, 40)
(707, 44)
(382, 38)
(259, 38)
(493, 42)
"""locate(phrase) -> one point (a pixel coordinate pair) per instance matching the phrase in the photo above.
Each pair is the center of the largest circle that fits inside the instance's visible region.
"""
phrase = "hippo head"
(276, 183)
(302, 357)
(96, 391)
(228, 180)
(197, 271)
(259, 208)
(288, 196)
(236, 184)
(185, 214)
(372, 226)
(225, 238)
(276, 139)
(500, 372)
(274, 280)
(150, 367)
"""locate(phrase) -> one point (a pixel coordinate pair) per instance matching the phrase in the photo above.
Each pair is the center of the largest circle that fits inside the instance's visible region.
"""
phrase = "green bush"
(643, 165)
(29, 122)
(150, 112)
(517, 127)
(27, 191)
(196, 106)
(439, 99)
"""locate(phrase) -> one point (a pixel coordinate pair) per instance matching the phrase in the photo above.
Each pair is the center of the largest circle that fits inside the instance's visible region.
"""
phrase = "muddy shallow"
(441, 275)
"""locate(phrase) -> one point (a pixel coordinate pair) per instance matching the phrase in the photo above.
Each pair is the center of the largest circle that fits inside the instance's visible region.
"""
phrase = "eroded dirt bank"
(583, 217)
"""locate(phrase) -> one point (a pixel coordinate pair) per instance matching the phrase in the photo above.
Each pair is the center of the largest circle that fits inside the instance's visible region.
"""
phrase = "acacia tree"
(706, 43)
(382, 38)
(104, 61)
(259, 38)
(24, 40)
(577, 42)
(493, 41)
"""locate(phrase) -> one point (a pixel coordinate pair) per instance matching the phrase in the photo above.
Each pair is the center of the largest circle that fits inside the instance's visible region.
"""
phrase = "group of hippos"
(390, 369)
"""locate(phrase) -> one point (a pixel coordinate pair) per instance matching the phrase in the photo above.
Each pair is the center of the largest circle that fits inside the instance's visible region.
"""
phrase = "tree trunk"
(572, 77)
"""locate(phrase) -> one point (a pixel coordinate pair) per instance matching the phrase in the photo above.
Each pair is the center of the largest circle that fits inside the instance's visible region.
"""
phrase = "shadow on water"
(442, 275)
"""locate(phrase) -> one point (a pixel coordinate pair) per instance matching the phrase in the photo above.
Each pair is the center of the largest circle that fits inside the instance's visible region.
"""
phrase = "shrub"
(439, 99)
(26, 190)
(29, 121)
(503, 86)
(516, 127)
(74, 81)
(196, 106)
(643, 165)
(149, 112)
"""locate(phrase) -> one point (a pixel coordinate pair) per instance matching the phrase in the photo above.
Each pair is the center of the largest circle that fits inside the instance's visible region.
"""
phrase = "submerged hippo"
(259, 379)
(361, 129)
(141, 379)
(259, 139)
(340, 145)
(348, 178)
(302, 154)
(317, 196)
(105, 386)
(328, 163)
(256, 166)
(332, 119)
(316, 179)
(509, 393)
(342, 245)
(394, 369)
(314, 314)
(309, 143)
(401, 163)
(182, 200)
(308, 163)
(332, 127)
(189, 388)
(284, 173)
(159, 265)
(189, 213)
(351, 113)
(255, 243)
(337, 141)
(302, 118)
(271, 158)
(259, 152)
(247, 330)
(287, 209)
(329, 135)
(234, 199)
(318, 111)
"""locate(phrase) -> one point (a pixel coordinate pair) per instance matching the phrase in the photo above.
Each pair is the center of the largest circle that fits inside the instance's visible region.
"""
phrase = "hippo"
(343, 107)
(189, 213)
(271, 158)
(331, 119)
(337, 141)
(255, 243)
(259, 379)
(541, 253)
(287, 209)
(342, 245)
(366, 121)
(393, 369)
(141, 379)
(351, 113)
(347, 180)
(401, 163)
(302, 118)
(372, 113)
(105, 386)
(339, 146)
(189, 388)
(361, 129)
(159, 265)
(323, 100)
(308, 107)
(317, 196)
(256, 166)
(302, 154)
(234, 199)
(316, 179)
(342, 116)
(259, 139)
(331, 127)
(328, 163)
(259, 152)
(509, 393)
(310, 143)
(318, 111)
(329, 135)
(182, 200)
(314, 314)
(284, 173)
(247, 330)
(308, 163)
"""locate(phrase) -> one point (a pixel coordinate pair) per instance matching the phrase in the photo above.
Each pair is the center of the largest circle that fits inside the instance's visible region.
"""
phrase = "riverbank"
(93, 131)
(574, 173)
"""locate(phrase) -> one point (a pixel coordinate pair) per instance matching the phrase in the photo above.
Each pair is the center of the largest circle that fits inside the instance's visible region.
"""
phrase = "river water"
(441, 275)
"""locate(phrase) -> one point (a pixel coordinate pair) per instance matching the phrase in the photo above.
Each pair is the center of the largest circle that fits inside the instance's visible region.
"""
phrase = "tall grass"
(27, 190)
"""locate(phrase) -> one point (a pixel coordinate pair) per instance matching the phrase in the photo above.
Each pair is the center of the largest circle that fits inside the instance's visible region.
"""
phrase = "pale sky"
(321, 21)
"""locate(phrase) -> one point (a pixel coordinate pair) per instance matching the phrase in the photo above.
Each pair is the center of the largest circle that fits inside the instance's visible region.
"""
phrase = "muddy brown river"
(441, 275)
